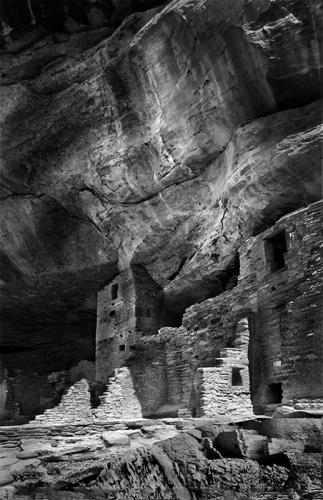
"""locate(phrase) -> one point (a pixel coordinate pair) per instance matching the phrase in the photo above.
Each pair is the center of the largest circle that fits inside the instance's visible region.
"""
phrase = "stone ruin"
(161, 245)
(245, 352)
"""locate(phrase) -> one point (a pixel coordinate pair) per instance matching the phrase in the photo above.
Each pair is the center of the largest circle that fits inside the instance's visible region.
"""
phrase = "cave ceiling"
(149, 134)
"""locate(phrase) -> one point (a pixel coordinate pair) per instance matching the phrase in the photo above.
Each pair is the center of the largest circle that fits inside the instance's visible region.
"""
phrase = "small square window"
(274, 394)
(112, 313)
(122, 347)
(236, 378)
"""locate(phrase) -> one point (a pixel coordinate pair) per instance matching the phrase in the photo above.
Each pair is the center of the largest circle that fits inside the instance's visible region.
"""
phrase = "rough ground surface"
(162, 459)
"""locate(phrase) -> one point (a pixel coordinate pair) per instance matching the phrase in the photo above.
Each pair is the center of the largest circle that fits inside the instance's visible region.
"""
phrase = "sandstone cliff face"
(162, 142)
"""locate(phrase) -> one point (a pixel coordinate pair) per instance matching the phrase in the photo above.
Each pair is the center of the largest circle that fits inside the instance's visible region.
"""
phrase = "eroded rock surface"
(133, 147)
(100, 461)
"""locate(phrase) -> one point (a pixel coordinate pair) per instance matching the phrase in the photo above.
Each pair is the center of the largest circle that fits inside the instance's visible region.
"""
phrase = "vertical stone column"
(116, 322)
(127, 309)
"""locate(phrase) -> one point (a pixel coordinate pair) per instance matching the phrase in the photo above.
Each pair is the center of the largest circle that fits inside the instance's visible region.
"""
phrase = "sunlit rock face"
(163, 142)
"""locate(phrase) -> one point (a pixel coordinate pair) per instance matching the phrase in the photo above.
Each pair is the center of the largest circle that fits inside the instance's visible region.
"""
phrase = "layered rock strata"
(173, 459)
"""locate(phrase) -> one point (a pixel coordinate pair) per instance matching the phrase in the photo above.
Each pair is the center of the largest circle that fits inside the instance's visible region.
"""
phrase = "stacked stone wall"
(288, 326)
(116, 322)
(127, 309)
(75, 407)
(225, 388)
(119, 401)
(24, 394)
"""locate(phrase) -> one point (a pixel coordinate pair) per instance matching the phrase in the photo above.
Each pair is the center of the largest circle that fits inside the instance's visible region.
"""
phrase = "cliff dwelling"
(161, 250)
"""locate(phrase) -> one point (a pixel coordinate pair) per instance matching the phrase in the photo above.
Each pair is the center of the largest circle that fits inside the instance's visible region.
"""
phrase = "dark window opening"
(148, 313)
(229, 277)
(122, 347)
(275, 249)
(114, 291)
(274, 394)
(112, 313)
(236, 378)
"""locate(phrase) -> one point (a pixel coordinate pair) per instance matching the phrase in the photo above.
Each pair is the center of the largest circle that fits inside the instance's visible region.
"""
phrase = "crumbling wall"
(24, 395)
(225, 388)
(207, 329)
(75, 407)
(120, 399)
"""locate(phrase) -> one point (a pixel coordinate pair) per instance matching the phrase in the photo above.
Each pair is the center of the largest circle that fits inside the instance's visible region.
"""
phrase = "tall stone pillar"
(127, 309)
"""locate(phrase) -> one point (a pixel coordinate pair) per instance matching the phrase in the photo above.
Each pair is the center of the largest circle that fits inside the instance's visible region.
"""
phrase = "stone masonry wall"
(75, 407)
(288, 321)
(119, 400)
(127, 309)
(283, 308)
(279, 305)
(24, 395)
(225, 388)
(116, 323)
(207, 329)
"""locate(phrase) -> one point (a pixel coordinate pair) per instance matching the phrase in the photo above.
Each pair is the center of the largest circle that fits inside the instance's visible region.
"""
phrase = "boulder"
(115, 438)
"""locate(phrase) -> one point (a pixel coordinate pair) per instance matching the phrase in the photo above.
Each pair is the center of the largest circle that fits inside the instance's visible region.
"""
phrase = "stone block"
(115, 438)
(276, 445)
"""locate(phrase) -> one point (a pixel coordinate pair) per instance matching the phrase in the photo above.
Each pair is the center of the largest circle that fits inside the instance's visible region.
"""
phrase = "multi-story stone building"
(250, 349)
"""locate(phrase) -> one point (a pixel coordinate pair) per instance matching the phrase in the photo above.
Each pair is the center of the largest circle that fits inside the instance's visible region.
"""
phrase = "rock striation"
(91, 461)
(143, 147)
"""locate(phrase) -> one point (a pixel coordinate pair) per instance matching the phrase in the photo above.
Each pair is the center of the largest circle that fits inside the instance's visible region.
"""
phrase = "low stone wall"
(24, 394)
(75, 407)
